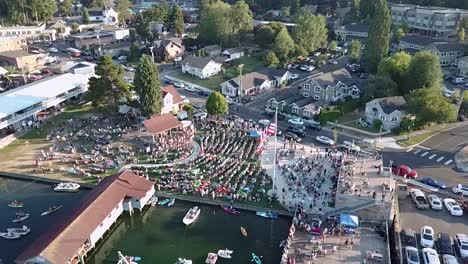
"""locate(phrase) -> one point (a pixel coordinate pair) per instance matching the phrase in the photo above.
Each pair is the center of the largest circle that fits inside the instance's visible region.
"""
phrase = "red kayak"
(230, 210)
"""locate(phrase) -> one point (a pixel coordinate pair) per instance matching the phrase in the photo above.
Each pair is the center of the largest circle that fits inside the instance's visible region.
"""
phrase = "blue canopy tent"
(255, 134)
(349, 220)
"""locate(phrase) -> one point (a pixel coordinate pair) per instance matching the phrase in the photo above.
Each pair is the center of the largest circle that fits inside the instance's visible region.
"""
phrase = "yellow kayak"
(243, 231)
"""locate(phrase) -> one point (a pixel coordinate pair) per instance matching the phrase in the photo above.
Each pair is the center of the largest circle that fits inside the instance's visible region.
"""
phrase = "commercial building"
(89, 39)
(30, 32)
(9, 43)
(21, 59)
(353, 31)
(429, 20)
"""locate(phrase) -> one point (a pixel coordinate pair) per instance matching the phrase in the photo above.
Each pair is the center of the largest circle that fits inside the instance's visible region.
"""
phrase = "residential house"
(102, 15)
(279, 77)
(234, 53)
(447, 51)
(212, 50)
(200, 67)
(304, 108)
(167, 49)
(330, 87)
(463, 66)
(283, 99)
(10, 43)
(61, 27)
(21, 59)
(353, 31)
(251, 84)
(172, 101)
(389, 110)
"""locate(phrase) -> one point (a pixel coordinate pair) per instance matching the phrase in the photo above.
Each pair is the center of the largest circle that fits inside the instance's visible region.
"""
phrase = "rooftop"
(331, 78)
(447, 47)
(212, 48)
(249, 80)
(390, 104)
(175, 94)
(357, 27)
(16, 54)
(197, 62)
(92, 34)
(162, 123)
(418, 40)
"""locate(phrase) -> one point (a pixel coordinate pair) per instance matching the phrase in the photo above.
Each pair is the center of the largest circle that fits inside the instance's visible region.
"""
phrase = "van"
(182, 115)
(351, 146)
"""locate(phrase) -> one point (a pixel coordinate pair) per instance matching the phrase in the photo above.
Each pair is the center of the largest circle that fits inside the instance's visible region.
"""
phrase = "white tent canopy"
(3, 71)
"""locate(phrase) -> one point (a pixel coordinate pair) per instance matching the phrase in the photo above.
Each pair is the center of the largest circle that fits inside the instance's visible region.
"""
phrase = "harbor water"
(158, 236)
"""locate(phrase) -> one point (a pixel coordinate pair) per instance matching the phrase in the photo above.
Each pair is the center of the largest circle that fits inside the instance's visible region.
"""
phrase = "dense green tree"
(148, 87)
(354, 51)
(368, 10)
(396, 67)
(85, 16)
(142, 27)
(108, 87)
(41, 10)
(65, 7)
(270, 59)
(461, 34)
(176, 20)
(264, 36)
(398, 33)
(311, 31)
(284, 46)
(241, 19)
(295, 6)
(75, 26)
(378, 41)
(299, 51)
(378, 87)
(135, 52)
(424, 71)
(123, 9)
(430, 106)
(216, 104)
(333, 45)
(286, 11)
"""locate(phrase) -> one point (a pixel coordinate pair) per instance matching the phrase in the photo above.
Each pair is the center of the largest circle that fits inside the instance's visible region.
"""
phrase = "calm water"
(159, 236)
(37, 198)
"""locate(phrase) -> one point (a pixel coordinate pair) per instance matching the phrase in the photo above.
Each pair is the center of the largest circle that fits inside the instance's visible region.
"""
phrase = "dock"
(31, 178)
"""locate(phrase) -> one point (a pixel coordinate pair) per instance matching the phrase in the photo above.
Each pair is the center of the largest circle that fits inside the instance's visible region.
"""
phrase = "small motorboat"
(21, 231)
(165, 201)
(20, 218)
(51, 210)
(191, 215)
(256, 259)
(127, 259)
(243, 231)
(152, 201)
(183, 261)
(16, 204)
(67, 187)
(230, 210)
(211, 258)
(267, 215)
(171, 203)
(10, 235)
(225, 253)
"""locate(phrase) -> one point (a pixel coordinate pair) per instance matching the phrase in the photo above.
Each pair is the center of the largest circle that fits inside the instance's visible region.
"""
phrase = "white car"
(264, 122)
(427, 237)
(53, 50)
(307, 68)
(128, 68)
(189, 89)
(128, 79)
(293, 76)
(412, 255)
(453, 207)
(332, 61)
(317, 53)
(296, 121)
(179, 85)
(435, 202)
(461, 243)
(325, 140)
(430, 256)
(122, 58)
(449, 259)
(463, 189)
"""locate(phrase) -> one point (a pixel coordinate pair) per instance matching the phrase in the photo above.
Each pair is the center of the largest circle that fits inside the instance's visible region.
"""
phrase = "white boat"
(10, 235)
(20, 218)
(171, 203)
(21, 231)
(211, 258)
(152, 201)
(225, 253)
(51, 210)
(67, 187)
(191, 215)
(183, 261)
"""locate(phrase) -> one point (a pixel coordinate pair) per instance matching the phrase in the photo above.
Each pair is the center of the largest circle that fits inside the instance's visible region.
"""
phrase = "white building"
(30, 32)
(106, 16)
(389, 110)
(234, 53)
(463, 66)
(202, 68)
(70, 239)
(19, 107)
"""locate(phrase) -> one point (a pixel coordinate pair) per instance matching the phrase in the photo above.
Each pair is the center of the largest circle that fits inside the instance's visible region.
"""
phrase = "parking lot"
(441, 221)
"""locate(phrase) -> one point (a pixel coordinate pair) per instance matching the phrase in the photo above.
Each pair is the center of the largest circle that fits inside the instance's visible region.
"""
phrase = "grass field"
(413, 140)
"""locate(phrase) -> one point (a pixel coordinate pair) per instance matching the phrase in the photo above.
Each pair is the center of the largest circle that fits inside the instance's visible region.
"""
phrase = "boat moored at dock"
(67, 187)
(191, 215)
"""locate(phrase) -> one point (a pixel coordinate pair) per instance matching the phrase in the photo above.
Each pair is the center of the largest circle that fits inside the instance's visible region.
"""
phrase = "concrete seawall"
(25, 177)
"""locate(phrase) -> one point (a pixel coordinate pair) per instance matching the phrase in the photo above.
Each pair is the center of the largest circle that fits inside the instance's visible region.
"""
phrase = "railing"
(349, 209)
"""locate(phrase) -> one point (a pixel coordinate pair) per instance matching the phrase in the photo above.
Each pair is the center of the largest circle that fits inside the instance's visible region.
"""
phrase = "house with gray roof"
(234, 53)
(389, 110)
(305, 107)
(251, 84)
(213, 50)
(283, 99)
(201, 68)
(329, 87)
(353, 31)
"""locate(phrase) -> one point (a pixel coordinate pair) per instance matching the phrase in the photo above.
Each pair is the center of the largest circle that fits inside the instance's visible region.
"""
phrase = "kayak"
(256, 259)
(230, 210)
(15, 204)
(267, 215)
(243, 231)
(51, 210)
(20, 218)
(171, 203)
(165, 201)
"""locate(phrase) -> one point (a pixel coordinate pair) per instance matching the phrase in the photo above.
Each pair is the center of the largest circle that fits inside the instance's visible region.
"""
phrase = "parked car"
(419, 198)
(128, 68)
(313, 126)
(444, 244)
(435, 202)
(404, 171)
(53, 50)
(453, 207)
(460, 189)
(307, 68)
(179, 84)
(298, 131)
(190, 89)
(293, 76)
(430, 256)
(268, 112)
(458, 80)
(363, 76)
(325, 140)
(332, 61)
(408, 236)
(350, 146)
(449, 259)
(264, 122)
(412, 255)
(292, 136)
(200, 114)
(434, 183)
(203, 93)
(296, 121)
(121, 58)
(461, 243)
(427, 237)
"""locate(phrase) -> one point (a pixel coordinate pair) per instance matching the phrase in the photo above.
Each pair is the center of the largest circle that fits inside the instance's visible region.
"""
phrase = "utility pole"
(274, 152)
(241, 66)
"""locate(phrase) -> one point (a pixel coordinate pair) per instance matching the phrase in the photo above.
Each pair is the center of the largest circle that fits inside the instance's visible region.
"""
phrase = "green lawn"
(413, 140)
(210, 83)
(250, 64)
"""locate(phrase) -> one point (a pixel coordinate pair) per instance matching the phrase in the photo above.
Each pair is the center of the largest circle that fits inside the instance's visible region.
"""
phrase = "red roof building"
(162, 123)
(172, 101)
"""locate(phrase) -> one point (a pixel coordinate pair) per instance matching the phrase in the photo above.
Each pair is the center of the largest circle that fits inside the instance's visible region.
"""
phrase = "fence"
(5, 141)
(359, 130)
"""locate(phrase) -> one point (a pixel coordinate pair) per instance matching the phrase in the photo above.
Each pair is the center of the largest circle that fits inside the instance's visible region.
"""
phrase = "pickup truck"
(419, 199)
(404, 171)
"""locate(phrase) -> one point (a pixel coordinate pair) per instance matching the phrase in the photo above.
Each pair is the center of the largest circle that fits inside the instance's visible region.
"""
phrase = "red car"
(404, 171)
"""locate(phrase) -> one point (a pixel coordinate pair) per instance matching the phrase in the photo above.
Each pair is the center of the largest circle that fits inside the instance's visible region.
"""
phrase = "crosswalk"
(426, 153)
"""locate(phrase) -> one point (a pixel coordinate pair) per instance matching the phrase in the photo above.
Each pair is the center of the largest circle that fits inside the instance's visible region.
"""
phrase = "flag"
(271, 129)
(202, 149)
(259, 148)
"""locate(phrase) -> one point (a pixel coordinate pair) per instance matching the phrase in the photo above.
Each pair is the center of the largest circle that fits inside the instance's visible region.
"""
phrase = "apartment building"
(30, 32)
(10, 43)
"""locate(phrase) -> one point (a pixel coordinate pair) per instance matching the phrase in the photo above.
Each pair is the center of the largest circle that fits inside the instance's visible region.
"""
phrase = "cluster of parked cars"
(457, 80)
(435, 202)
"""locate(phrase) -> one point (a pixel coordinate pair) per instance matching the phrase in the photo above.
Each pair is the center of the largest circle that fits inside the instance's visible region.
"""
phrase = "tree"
(85, 16)
(378, 87)
(354, 51)
(377, 43)
(398, 33)
(405, 26)
(264, 36)
(284, 46)
(295, 6)
(396, 67)
(299, 51)
(270, 59)
(123, 10)
(333, 45)
(75, 26)
(430, 106)
(176, 20)
(216, 104)
(241, 19)
(367, 10)
(286, 11)
(41, 10)
(109, 87)
(424, 71)
(148, 87)
(65, 7)
(142, 26)
(461, 34)
(135, 52)
(310, 32)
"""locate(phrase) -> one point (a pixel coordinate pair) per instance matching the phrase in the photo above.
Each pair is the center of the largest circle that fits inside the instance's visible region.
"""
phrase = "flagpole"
(274, 152)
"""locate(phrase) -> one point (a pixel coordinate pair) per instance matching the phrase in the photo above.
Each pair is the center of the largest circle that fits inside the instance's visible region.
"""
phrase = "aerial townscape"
(233, 131)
